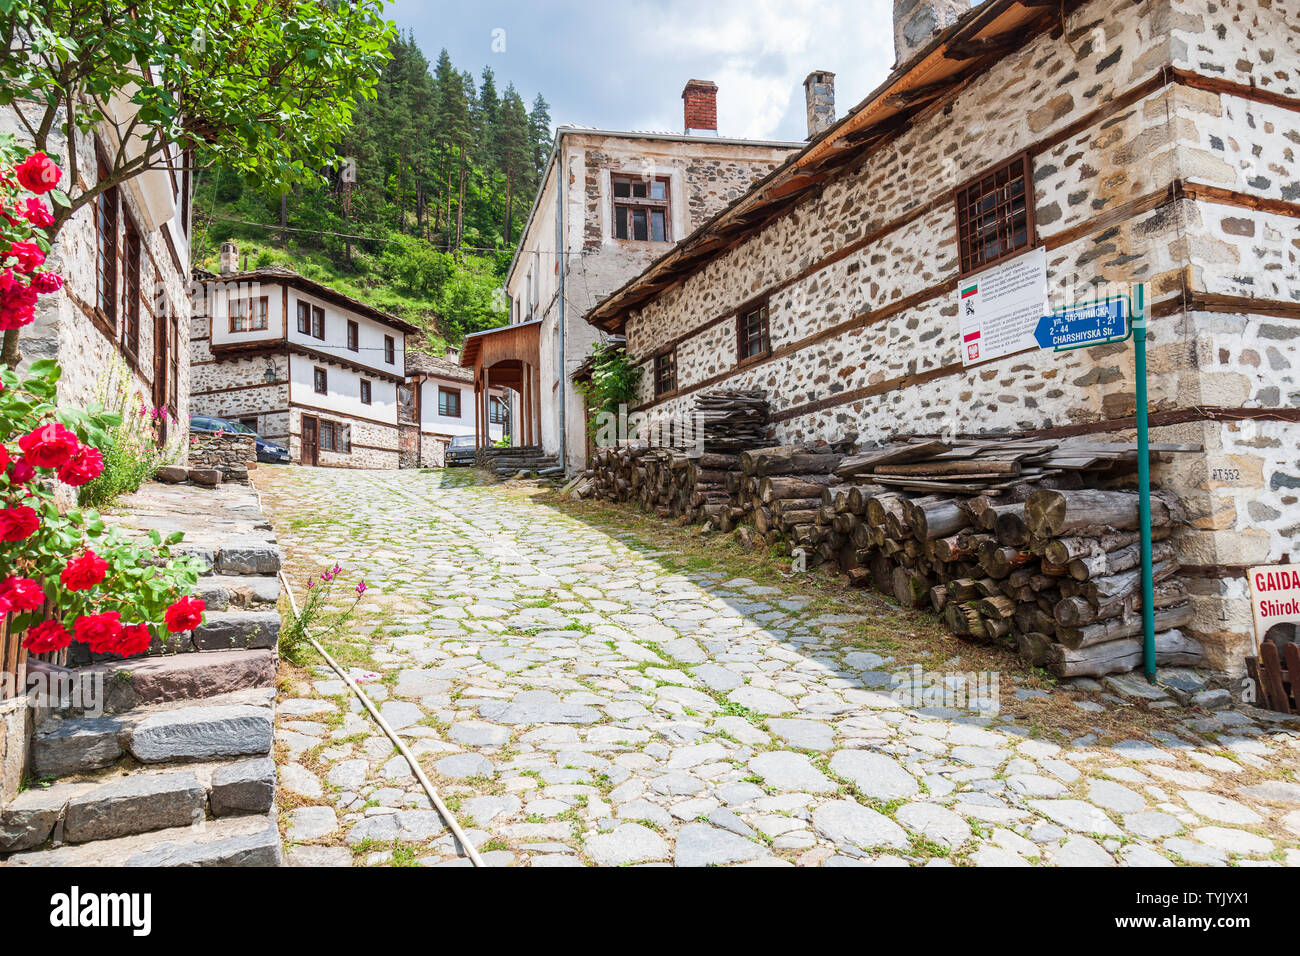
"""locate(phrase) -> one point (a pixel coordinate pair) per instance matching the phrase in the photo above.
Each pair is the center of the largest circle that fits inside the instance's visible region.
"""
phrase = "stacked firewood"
(666, 481)
(1053, 572)
(779, 490)
(734, 419)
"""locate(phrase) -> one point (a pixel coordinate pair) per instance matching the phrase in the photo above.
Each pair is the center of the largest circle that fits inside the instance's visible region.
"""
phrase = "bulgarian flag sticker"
(970, 290)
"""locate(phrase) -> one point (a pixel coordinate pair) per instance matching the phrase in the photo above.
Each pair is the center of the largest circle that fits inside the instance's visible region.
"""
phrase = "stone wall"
(231, 454)
(867, 341)
(373, 445)
(433, 451)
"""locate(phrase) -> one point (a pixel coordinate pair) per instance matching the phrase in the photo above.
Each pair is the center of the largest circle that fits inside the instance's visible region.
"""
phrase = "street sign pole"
(1144, 481)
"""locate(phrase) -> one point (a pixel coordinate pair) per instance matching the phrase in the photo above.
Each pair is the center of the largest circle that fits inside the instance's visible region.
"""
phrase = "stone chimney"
(452, 354)
(819, 94)
(917, 21)
(700, 107)
(229, 257)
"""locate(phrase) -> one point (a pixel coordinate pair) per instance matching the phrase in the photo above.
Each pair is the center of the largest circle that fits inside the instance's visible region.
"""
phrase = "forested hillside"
(436, 177)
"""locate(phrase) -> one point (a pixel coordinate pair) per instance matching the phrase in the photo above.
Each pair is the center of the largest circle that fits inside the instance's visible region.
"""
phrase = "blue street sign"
(1094, 323)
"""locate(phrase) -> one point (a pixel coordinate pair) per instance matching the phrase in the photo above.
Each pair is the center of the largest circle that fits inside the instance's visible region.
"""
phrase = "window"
(365, 392)
(995, 215)
(319, 381)
(335, 436)
(390, 350)
(317, 322)
(249, 314)
(106, 252)
(304, 317)
(173, 364)
(640, 208)
(751, 332)
(354, 336)
(249, 422)
(449, 402)
(496, 411)
(131, 290)
(665, 373)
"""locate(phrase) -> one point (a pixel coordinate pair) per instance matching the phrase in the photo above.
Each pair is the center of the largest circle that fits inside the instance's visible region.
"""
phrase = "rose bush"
(64, 574)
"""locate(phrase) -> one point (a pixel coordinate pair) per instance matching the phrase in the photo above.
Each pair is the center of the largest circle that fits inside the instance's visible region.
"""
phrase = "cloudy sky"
(622, 64)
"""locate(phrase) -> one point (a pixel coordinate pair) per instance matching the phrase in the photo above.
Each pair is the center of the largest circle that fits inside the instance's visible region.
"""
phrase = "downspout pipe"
(561, 170)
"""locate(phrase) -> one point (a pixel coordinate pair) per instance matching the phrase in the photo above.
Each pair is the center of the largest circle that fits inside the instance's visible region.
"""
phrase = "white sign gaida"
(1275, 599)
(999, 308)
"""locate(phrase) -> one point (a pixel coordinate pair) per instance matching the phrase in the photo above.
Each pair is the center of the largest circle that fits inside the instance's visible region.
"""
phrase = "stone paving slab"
(578, 702)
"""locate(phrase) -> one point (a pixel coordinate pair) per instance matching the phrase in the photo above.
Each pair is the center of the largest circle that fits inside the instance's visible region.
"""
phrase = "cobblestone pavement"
(578, 702)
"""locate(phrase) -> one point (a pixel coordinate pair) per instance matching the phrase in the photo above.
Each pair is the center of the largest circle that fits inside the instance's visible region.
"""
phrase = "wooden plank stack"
(734, 419)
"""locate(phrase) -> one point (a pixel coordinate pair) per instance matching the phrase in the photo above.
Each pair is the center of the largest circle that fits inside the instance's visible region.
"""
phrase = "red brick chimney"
(700, 106)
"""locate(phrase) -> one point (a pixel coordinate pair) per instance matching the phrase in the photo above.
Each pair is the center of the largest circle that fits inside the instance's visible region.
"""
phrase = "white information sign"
(999, 308)
(1275, 599)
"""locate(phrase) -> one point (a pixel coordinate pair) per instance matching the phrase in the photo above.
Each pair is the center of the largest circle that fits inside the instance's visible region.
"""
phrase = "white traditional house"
(304, 365)
(610, 203)
(439, 397)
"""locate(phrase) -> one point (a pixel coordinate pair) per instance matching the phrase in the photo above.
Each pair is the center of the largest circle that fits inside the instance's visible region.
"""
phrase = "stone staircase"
(165, 759)
(509, 462)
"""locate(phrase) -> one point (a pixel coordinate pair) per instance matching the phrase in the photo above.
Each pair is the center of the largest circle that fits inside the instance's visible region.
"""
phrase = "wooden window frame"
(304, 317)
(629, 203)
(107, 214)
(132, 264)
(320, 380)
(334, 436)
(976, 189)
(743, 335)
(318, 322)
(390, 350)
(445, 406)
(354, 336)
(665, 373)
(367, 395)
(259, 319)
(496, 410)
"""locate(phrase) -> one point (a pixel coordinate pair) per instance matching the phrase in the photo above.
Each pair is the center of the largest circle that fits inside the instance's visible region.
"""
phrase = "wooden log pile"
(734, 420)
(1053, 572)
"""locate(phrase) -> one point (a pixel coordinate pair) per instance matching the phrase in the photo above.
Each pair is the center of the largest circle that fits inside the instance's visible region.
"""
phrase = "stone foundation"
(230, 454)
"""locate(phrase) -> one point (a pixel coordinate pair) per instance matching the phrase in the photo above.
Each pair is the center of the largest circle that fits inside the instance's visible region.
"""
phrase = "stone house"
(437, 404)
(126, 297)
(1077, 150)
(302, 364)
(609, 204)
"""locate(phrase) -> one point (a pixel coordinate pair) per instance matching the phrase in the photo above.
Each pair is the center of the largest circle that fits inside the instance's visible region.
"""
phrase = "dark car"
(266, 451)
(460, 451)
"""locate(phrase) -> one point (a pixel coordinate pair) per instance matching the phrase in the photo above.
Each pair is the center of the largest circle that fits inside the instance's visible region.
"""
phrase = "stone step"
(222, 592)
(136, 801)
(118, 686)
(235, 841)
(63, 746)
(223, 630)
(232, 555)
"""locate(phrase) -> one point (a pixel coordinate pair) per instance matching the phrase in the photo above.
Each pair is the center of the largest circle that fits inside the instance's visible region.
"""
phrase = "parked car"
(266, 451)
(460, 451)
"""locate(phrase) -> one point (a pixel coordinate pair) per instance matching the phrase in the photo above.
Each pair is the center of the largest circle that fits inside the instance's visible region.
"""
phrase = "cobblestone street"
(585, 693)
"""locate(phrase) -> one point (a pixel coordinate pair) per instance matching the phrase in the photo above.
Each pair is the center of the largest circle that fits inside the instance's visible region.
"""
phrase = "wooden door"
(160, 371)
(310, 440)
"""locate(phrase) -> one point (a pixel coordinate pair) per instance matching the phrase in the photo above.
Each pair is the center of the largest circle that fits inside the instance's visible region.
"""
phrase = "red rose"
(38, 174)
(185, 615)
(29, 256)
(17, 523)
(35, 212)
(102, 632)
(17, 306)
(47, 636)
(84, 572)
(49, 446)
(22, 472)
(47, 282)
(22, 594)
(135, 640)
(84, 466)
(4, 457)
